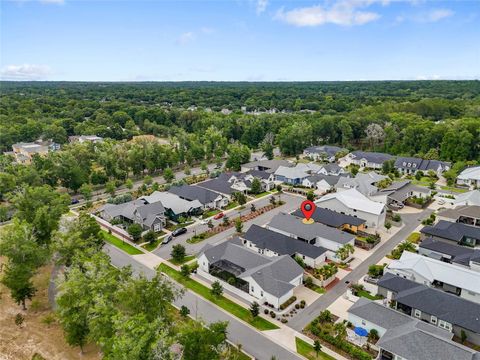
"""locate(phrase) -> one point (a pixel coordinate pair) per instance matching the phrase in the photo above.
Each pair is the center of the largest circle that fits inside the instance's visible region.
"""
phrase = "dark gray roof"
(449, 249)
(332, 167)
(374, 157)
(273, 274)
(269, 166)
(219, 185)
(150, 212)
(192, 192)
(463, 210)
(408, 337)
(419, 164)
(259, 174)
(331, 218)
(295, 226)
(395, 283)
(443, 305)
(281, 244)
(452, 231)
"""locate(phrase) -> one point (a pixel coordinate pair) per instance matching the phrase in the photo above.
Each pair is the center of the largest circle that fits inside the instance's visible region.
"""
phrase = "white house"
(372, 160)
(451, 278)
(267, 279)
(470, 177)
(352, 202)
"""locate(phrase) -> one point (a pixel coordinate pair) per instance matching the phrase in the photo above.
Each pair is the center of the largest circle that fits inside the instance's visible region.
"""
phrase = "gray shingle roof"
(452, 231)
(294, 225)
(328, 150)
(463, 253)
(420, 164)
(192, 192)
(331, 218)
(373, 157)
(273, 274)
(330, 179)
(219, 185)
(269, 166)
(409, 337)
(281, 244)
(395, 283)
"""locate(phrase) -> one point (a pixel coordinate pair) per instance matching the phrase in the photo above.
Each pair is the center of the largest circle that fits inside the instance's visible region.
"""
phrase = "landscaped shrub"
(272, 315)
(297, 306)
(288, 303)
(265, 311)
(284, 321)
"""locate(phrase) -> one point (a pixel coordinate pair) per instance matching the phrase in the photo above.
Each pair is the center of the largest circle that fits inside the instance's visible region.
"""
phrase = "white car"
(204, 222)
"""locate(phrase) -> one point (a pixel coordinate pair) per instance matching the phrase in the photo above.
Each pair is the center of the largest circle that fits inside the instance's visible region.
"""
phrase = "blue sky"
(252, 40)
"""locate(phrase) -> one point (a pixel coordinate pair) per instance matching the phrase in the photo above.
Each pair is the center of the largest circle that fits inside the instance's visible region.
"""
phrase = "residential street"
(305, 317)
(253, 341)
(291, 202)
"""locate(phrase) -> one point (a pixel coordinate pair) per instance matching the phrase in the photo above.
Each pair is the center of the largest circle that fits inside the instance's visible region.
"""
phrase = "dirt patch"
(38, 334)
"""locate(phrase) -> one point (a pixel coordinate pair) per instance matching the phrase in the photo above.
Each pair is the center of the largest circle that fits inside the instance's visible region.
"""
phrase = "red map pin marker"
(308, 208)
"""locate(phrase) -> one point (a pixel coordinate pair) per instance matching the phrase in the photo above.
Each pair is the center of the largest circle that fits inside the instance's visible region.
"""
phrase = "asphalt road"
(305, 317)
(253, 341)
(291, 203)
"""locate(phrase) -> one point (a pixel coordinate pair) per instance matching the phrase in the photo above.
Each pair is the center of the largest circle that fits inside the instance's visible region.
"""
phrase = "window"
(445, 325)
(433, 320)
(417, 313)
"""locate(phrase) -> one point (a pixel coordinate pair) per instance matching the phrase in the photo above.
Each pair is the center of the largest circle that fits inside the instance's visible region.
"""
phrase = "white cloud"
(426, 17)
(261, 6)
(25, 72)
(343, 12)
(186, 37)
(428, 77)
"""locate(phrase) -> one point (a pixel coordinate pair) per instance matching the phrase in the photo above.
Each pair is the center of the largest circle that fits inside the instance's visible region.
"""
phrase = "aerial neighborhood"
(244, 232)
(295, 249)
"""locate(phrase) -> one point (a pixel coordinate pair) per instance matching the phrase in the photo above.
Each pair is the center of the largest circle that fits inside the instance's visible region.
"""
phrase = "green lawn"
(265, 193)
(317, 289)
(122, 245)
(453, 189)
(231, 205)
(414, 237)
(185, 259)
(154, 245)
(199, 238)
(226, 304)
(305, 349)
(366, 294)
(210, 213)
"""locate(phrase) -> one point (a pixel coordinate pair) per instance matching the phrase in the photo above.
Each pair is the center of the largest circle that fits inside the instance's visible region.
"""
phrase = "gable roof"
(295, 226)
(269, 166)
(291, 172)
(332, 167)
(219, 185)
(363, 182)
(462, 210)
(432, 269)
(329, 179)
(281, 244)
(353, 199)
(458, 254)
(171, 201)
(273, 274)
(408, 337)
(192, 192)
(472, 173)
(373, 157)
(420, 164)
(125, 210)
(259, 174)
(451, 231)
(331, 218)
(328, 150)
(468, 198)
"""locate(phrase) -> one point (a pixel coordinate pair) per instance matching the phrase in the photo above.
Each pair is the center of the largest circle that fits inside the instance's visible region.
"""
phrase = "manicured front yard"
(414, 237)
(185, 260)
(366, 294)
(453, 189)
(122, 245)
(265, 193)
(210, 213)
(152, 246)
(305, 349)
(231, 205)
(226, 304)
(199, 238)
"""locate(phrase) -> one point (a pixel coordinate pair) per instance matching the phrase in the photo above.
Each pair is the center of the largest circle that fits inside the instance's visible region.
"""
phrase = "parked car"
(179, 231)
(74, 201)
(219, 216)
(167, 239)
(204, 222)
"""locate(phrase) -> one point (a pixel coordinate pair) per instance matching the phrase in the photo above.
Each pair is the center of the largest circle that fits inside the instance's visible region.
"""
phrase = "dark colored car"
(74, 201)
(179, 231)
(167, 239)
